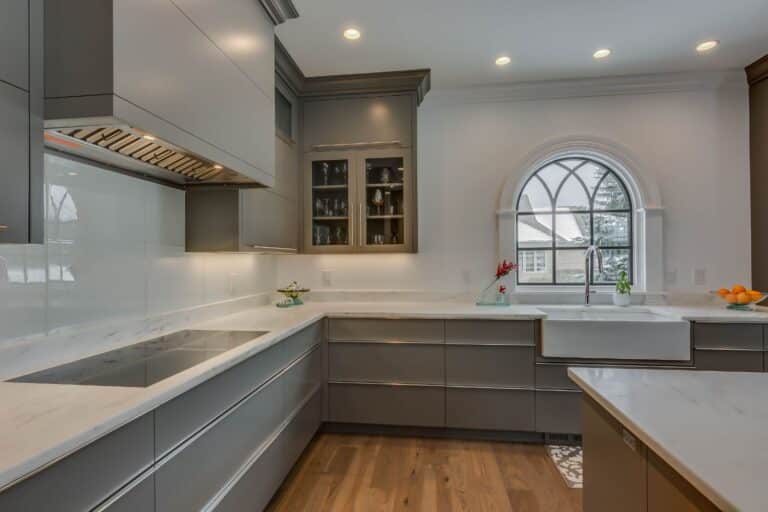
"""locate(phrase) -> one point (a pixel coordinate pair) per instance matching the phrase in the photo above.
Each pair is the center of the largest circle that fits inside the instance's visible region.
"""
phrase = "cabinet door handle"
(360, 218)
(629, 439)
(3, 227)
(351, 225)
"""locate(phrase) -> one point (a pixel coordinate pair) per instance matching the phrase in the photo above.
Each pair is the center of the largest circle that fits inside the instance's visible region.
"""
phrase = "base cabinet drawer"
(553, 376)
(186, 414)
(490, 332)
(364, 329)
(745, 336)
(255, 488)
(729, 360)
(558, 412)
(414, 363)
(204, 466)
(420, 406)
(139, 499)
(490, 409)
(86, 478)
(491, 366)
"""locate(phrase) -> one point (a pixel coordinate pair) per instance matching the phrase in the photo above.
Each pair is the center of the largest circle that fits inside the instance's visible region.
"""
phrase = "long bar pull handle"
(3, 227)
(360, 218)
(351, 225)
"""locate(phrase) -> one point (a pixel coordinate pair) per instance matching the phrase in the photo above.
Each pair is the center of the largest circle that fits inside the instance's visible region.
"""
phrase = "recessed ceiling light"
(707, 46)
(601, 53)
(149, 137)
(503, 60)
(352, 34)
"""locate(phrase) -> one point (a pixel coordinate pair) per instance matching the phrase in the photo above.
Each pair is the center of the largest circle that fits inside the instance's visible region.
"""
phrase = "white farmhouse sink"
(600, 332)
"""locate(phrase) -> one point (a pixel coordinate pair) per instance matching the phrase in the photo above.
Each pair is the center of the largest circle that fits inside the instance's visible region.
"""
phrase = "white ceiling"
(546, 39)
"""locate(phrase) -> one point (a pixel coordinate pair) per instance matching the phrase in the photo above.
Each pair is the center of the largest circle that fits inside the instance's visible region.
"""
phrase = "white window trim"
(646, 202)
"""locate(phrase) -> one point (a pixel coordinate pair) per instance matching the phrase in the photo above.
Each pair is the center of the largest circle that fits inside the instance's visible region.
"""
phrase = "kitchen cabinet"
(728, 347)
(21, 122)
(622, 473)
(359, 201)
(359, 175)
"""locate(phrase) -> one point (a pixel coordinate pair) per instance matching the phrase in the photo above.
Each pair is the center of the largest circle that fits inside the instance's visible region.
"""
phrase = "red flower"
(502, 289)
(504, 268)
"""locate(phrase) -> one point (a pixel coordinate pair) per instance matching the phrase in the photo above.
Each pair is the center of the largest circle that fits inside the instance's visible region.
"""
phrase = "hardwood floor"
(340, 473)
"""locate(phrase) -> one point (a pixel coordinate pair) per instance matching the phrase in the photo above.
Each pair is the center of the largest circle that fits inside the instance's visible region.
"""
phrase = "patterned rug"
(568, 461)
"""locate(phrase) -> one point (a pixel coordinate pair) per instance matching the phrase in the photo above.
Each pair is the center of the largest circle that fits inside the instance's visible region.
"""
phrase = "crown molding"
(387, 82)
(279, 11)
(593, 87)
(757, 71)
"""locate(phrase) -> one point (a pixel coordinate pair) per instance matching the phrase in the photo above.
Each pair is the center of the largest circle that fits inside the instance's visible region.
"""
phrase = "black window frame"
(554, 248)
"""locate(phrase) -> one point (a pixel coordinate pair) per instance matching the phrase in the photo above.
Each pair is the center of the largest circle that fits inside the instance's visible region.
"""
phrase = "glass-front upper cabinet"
(385, 200)
(330, 203)
(359, 201)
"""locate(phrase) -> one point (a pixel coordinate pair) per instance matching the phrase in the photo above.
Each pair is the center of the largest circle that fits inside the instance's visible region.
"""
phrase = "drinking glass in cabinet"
(385, 199)
(330, 197)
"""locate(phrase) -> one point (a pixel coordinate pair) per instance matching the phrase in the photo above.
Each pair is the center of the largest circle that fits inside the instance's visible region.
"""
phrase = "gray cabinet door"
(729, 360)
(490, 366)
(332, 121)
(14, 175)
(88, 477)
(420, 406)
(553, 376)
(406, 363)
(139, 499)
(14, 43)
(740, 336)
(558, 412)
(360, 329)
(268, 220)
(614, 464)
(490, 409)
(490, 332)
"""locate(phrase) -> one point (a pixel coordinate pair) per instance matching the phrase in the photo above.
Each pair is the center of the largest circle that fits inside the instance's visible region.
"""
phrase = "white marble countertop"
(711, 427)
(40, 423)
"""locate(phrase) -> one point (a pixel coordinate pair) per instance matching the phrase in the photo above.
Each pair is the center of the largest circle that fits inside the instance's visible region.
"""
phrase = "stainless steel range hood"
(134, 150)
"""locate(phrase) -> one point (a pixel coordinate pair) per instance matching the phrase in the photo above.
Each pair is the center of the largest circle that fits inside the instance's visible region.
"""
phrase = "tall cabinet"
(21, 121)
(359, 174)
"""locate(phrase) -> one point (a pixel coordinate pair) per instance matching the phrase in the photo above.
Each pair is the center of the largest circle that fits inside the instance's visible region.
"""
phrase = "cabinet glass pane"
(330, 202)
(384, 201)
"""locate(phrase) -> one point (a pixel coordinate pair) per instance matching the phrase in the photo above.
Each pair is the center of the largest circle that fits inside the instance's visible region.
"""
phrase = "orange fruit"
(723, 292)
(730, 298)
(755, 295)
(738, 288)
(743, 298)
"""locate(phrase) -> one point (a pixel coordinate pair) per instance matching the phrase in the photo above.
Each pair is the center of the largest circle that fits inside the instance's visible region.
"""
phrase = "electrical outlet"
(326, 277)
(699, 277)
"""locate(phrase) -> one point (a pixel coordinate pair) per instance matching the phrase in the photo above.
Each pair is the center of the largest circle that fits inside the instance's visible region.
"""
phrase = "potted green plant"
(622, 294)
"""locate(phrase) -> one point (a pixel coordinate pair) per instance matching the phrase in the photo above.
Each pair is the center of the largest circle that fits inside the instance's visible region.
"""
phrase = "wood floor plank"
(358, 473)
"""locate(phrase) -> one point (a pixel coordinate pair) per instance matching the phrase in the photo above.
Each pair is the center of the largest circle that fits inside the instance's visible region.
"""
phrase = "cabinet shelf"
(385, 185)
(329, 217)
(383, 217)
(330, 187)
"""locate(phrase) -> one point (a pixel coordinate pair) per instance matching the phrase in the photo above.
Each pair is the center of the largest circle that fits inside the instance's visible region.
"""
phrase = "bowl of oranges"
(740, 297)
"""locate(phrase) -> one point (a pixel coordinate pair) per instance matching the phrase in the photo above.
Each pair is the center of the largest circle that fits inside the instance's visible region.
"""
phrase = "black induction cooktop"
(146, 363)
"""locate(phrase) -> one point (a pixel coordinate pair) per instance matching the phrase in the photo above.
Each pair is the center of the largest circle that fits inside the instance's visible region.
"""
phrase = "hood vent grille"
(149, 151)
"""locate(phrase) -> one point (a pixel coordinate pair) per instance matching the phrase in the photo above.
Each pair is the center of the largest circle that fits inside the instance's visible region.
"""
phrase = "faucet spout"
(592, 249)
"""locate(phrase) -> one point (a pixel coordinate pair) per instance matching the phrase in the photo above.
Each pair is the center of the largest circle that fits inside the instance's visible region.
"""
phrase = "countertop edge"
(689, 474)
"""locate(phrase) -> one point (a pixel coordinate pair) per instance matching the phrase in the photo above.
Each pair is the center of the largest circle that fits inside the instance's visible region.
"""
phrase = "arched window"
(563, 208)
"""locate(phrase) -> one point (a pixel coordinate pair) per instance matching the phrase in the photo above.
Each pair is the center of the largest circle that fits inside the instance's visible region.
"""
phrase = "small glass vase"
(491, 296)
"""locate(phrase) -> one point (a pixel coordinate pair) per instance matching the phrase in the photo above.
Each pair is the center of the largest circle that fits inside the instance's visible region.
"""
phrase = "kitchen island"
(657, 440)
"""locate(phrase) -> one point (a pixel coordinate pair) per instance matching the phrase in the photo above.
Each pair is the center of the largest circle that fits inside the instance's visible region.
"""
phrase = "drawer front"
(490, 409)
(553, 376)
(509, 366)
(558, 412)
(387, 405)
(360, 329)
(490, 332)
(188, 413)
(14, 43)
(387, 363)
(748, 336)
(14, 179)
(203, 467)
(729, 360)
(140, 498)
(86, 478)
(259, 483)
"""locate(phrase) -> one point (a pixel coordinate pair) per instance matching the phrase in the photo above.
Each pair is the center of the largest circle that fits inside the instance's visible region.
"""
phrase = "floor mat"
(569, 462)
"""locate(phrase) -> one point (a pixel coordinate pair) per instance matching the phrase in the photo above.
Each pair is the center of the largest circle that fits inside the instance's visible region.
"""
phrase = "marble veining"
(710, 427)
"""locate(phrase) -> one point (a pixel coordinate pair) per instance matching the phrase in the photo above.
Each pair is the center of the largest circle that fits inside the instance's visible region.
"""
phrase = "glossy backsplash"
(114, 250)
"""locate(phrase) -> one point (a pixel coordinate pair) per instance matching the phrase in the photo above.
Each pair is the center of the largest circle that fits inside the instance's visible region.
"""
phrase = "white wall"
(114, 250)
(692, 140)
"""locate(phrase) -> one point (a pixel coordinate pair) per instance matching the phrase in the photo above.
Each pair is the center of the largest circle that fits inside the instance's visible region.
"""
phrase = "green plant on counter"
(623, 287)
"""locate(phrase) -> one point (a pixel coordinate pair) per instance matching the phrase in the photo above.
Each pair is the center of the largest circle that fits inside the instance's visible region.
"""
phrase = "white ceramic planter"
(622, 299)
